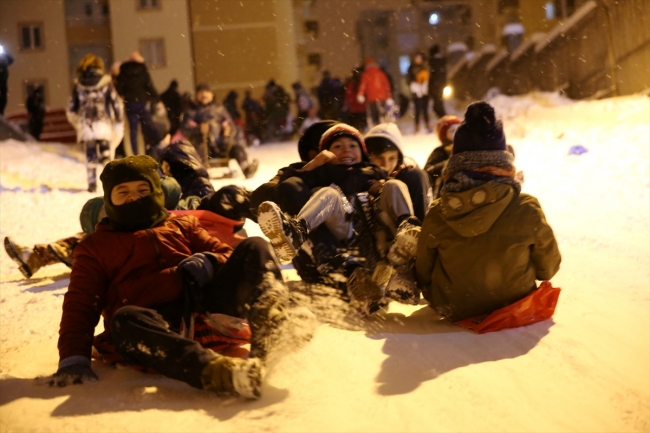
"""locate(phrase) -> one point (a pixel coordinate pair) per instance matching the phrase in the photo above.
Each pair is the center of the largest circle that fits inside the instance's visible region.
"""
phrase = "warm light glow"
(447, 92)
(434, 19)
(2, 49)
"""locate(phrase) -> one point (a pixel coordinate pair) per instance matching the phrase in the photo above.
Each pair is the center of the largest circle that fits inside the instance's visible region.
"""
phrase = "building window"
(311, 27)
(31, 36)
(550, 10)
(503, 5)
(148, 4)
(153, 51)
(88, 9)
(314, 59)
(105, 9)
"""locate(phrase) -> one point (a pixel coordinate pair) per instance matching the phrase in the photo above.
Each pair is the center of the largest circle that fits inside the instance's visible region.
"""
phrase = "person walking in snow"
(134, 84)
(375, 90)
(418, 80)
(437, 79)
(6, 60)
(97, 113)
(483, 242)
(35, 106)
(142, 268)
(173, 102)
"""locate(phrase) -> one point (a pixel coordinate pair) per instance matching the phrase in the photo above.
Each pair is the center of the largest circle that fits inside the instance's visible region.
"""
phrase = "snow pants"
(97, 152)
(421, 105)
(137, 112)
(419, 188)
(327, 207)
(146, 336)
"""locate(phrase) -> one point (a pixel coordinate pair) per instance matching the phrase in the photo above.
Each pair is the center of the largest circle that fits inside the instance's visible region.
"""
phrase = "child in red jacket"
(139, 271)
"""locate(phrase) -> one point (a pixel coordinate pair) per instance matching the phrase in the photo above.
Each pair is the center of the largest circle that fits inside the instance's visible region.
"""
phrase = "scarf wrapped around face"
(468, 170)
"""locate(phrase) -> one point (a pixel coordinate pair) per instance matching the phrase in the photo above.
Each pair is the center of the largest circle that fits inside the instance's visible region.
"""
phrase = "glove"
(361, 99)
(73, 370)
(197, 268)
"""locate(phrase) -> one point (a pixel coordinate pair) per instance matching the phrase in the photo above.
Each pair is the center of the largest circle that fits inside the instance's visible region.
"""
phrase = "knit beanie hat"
(443, 125)
(171, 190)
(140, 214)
(383, 137)
(310, 140)
(89, 216)
(343, 130)
(480, 130)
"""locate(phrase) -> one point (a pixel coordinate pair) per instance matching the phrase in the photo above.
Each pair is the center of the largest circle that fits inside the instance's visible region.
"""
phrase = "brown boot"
(27, 260)
(233, 376)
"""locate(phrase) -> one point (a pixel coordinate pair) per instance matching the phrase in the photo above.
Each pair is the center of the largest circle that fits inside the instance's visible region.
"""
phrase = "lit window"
(153, 51)
(550, 10)
(31, 36)
(434, 18)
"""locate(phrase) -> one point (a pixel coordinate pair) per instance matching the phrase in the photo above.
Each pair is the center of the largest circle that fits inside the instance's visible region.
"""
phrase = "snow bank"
(588, 369)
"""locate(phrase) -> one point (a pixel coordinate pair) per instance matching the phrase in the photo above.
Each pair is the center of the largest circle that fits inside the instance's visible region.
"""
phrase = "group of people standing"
(101, 103)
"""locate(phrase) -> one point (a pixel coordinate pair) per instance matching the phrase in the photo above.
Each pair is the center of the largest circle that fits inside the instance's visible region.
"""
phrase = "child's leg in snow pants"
(326, 206)
(394, 202)
(143, 336)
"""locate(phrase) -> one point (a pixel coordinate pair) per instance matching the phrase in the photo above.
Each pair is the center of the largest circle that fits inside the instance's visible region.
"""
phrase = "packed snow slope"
(588, 369)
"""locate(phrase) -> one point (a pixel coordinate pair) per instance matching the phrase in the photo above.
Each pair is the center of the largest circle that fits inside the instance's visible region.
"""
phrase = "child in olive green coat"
(483, 243)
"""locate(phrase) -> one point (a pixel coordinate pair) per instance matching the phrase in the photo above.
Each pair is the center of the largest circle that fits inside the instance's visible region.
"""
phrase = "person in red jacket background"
(140, 268)
(374, 90)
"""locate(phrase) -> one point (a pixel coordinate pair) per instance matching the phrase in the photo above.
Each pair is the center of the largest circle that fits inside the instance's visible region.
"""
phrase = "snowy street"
(587, 369)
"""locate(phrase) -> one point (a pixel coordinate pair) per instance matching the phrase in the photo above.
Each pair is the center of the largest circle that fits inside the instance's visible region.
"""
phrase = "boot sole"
(405, 247)
(12, 252)
(270, 221)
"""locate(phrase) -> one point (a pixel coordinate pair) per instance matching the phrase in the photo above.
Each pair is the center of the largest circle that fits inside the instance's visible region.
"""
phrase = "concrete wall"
(49, 64)
(242, 45)
(171, 23)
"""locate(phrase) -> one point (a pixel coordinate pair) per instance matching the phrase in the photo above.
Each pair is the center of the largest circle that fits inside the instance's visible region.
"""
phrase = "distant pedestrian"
(330, 97)
(355, 110)
(36, 111)
(374, 90)
(437, 79)
(303, 104)
(97, 113)
(253, 113)
(135, 86)
(418, 79)
(173, 102)
(5, 61)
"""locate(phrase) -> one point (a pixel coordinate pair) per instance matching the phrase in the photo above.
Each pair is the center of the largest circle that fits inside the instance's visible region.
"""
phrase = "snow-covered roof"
(513, 29)
(460, 64)
(566, 26)
(456, 46)
(498, 58)
(526, 45)
(486, 50)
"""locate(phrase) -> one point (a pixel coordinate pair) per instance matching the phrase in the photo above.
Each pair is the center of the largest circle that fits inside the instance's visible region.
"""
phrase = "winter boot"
(366, 297)
(402, 287)
(251, 168)
(405, 245)
(286, 234)
(28, 261)
(228, 376)
(267, 316)
(62, 251)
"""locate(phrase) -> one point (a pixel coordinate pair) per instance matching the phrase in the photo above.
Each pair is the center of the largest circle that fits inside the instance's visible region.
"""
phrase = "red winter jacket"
(374, 84)
(113, 269)
(218, 226)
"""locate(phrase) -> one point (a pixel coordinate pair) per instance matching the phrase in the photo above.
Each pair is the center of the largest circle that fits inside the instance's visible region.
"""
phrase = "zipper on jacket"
(155, 244)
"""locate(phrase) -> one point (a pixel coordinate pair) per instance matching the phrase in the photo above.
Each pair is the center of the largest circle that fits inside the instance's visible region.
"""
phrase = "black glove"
(73, 370)
(197, 270)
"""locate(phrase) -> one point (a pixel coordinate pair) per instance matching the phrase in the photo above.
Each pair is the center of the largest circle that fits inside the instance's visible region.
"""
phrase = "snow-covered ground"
(588, 369)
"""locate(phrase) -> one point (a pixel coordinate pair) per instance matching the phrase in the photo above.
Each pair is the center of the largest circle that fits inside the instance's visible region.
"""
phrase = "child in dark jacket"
(181, 161)
(483, 242)
(445, 129)
(348, 182)
(142, 267)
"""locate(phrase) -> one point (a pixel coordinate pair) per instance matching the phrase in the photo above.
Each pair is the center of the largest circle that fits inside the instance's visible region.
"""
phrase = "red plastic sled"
(537, 306)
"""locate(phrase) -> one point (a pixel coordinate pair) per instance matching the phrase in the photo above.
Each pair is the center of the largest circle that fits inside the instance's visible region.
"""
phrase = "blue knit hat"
(480, 130)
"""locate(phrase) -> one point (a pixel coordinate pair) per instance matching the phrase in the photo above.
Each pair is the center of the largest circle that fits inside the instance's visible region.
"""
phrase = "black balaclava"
(143, 213)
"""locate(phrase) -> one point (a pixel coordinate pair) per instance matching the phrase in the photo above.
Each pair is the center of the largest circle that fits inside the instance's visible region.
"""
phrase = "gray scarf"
(468, 170)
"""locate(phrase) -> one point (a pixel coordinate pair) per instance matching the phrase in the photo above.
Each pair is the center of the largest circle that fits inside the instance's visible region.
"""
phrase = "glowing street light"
(434, 18)
(447, 92)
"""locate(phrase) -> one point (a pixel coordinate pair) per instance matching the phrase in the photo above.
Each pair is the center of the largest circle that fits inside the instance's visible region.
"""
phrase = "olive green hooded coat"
(482, 249)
